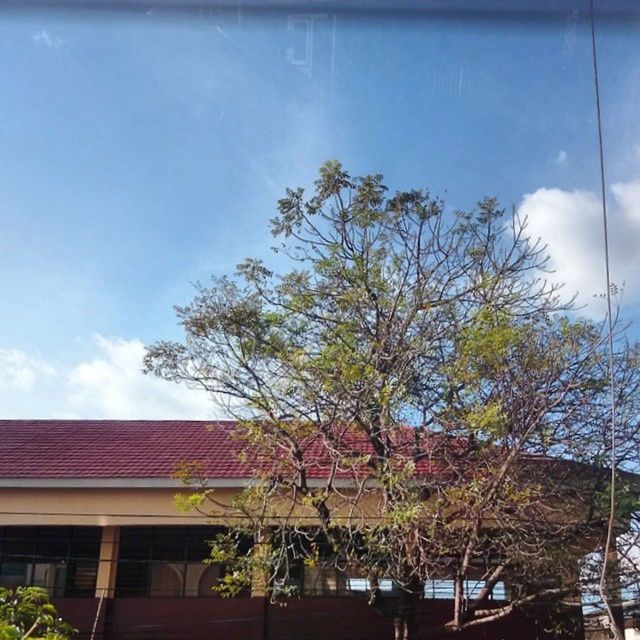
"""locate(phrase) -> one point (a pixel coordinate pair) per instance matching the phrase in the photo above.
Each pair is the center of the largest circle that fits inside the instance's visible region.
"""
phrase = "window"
(63, 560)
(323, 581)
(166, 562)
(329, 581)
(444, 589)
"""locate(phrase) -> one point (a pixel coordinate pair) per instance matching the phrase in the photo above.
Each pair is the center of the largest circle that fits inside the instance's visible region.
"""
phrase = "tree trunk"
(401, 630)
(405, 623)
(614, 594)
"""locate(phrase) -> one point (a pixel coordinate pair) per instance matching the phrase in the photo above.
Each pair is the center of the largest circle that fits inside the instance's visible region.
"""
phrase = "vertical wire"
(612, 498)
(98, 612)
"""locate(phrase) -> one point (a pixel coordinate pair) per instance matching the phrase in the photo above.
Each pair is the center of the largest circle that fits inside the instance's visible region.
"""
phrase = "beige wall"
(95, 507)
(135, 506)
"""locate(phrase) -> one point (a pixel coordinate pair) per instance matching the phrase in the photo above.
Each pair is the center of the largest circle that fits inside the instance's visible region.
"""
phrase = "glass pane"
(53, 543)
(357, 584)
(15, 574)
(19, 543)
(439, 589)
(312, 581)
(85, 542)
(51, 576)
(499, 591)
(82, 578)
(200, 578)
(473, 587)
(135, 543)
(170, 543)
(132, 578)
(336, 582)
(198, 543)
(324, 581)
(167, 579)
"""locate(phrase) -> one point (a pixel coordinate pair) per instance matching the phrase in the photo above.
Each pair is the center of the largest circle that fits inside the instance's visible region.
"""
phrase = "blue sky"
(142, 152)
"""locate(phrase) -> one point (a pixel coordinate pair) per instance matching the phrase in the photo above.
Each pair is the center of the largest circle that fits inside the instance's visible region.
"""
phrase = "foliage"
(25, 612)
(415, 398)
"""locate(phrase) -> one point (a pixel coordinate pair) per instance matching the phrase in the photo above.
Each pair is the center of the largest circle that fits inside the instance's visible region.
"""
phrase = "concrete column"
(260, 577)
(108, 563)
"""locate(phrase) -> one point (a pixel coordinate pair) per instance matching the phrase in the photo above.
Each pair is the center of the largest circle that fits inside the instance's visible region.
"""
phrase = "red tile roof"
(85, 449)
(117, 448)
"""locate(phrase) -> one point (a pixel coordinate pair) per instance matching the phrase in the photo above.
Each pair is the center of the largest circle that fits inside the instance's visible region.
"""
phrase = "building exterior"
(87, 511)
(596, 625)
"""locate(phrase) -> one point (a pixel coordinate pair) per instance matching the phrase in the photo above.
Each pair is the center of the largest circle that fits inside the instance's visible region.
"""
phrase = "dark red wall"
(316, 618)
(185, 619)
(311, 618)
(79, 612)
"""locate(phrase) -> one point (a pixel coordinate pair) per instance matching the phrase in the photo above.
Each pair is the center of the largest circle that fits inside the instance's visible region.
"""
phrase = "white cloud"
(562, 158)
(19, 371)
(570, 224)
(627, 195)
(45, 38)
(111, 385)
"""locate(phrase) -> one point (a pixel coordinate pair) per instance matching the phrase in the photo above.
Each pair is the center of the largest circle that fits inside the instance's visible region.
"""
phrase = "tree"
(417, 401)
(25, 612)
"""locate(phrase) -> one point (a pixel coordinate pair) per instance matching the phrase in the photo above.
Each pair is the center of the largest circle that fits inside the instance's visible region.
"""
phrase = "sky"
(141, 152)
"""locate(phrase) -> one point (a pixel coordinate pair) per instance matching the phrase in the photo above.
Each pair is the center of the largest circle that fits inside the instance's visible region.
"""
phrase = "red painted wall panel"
(79, 612)
(311, 618)
(184, 619)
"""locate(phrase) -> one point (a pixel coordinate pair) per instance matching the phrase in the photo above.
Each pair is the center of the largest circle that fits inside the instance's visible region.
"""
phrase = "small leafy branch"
(27, 613)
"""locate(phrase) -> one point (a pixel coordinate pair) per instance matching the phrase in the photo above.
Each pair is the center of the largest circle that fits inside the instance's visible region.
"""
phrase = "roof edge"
(147, 483)
(120, 483)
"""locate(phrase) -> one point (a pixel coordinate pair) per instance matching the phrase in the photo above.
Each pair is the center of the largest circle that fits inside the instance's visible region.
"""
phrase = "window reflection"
(166, 562)
(62, 560)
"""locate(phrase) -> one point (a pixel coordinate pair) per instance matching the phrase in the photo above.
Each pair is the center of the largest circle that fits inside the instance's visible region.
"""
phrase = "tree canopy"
(416, 392)
(25, 612)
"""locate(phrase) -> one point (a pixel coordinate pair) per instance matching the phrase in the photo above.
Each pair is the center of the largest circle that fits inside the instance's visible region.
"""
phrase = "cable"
(97, 618)
(220, 519)
(612, 499)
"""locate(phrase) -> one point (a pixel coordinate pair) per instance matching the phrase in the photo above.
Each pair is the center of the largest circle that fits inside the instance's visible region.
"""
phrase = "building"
(87, 511)
(596, 623)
